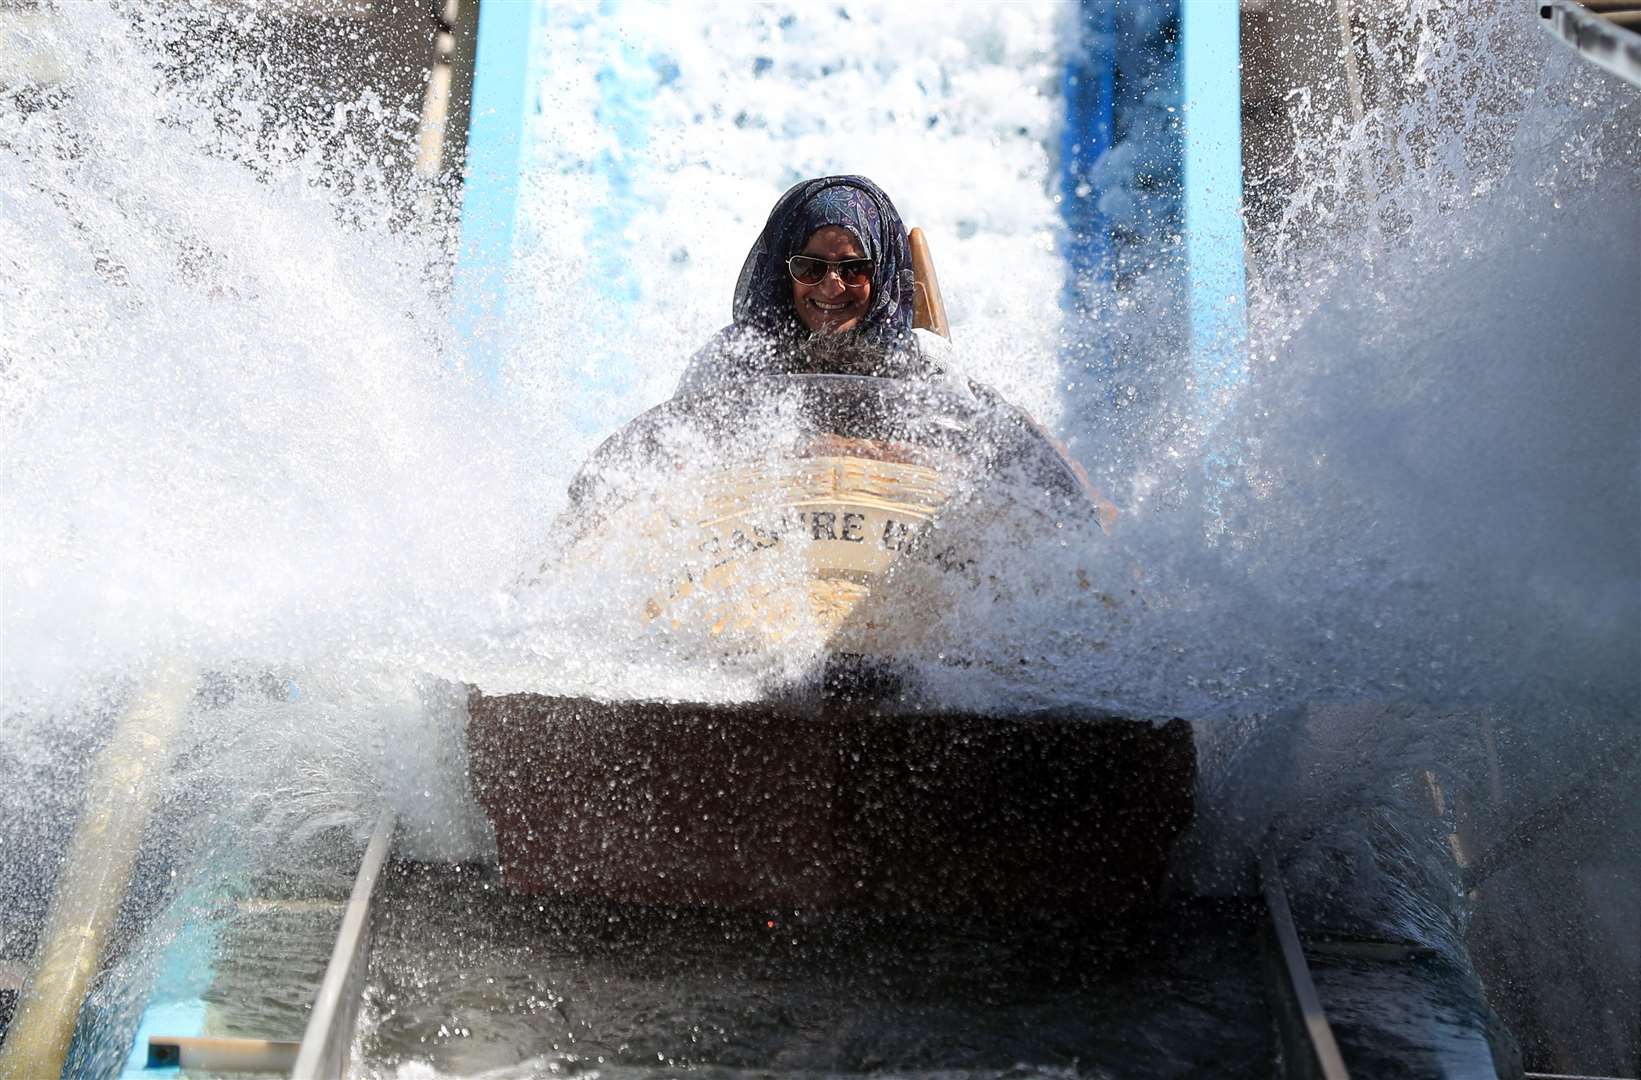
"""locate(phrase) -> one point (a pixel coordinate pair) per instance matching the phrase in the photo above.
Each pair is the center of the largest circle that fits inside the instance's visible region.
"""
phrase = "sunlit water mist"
(234, 431)
(661, 144)
(1433, 492)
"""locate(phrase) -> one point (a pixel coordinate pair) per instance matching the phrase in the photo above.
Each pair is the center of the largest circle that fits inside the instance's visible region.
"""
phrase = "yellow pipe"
(120, 798)
(218, 1055)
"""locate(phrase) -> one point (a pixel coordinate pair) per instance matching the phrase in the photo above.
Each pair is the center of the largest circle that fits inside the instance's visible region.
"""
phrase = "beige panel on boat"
(782, 548)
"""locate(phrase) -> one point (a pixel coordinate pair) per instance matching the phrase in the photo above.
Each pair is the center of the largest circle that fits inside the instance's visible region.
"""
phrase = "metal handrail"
(329, 1035)
(1317, 1054)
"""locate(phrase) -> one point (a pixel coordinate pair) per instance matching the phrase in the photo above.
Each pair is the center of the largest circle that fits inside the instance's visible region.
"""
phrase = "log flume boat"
(838, 511)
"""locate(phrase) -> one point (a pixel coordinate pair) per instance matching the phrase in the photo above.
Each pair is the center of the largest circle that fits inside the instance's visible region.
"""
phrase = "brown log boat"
(833, 513)
(848, 793)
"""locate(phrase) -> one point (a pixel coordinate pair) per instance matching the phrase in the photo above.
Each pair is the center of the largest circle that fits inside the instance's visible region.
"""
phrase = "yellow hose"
(121, 796)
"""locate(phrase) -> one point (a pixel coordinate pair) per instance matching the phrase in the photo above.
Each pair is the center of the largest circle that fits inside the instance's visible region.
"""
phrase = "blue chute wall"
(1151, 198)
(495, 146)
(1120, 190)
(1215, 254)
(1089, 87)
(1212, 75)
(1111, 93)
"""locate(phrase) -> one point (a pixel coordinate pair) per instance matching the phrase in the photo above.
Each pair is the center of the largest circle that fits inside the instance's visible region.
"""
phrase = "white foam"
(230, 429)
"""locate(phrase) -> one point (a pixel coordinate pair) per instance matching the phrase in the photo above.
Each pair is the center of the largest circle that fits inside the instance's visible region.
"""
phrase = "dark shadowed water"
(467, 980)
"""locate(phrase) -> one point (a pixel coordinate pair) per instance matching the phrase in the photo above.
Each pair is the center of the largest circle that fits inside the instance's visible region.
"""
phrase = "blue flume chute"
(1211, 65)
(1089, 86)
(512, 35)
(626, 90)
(1126, 66)
(1212, 70)
(503, 92)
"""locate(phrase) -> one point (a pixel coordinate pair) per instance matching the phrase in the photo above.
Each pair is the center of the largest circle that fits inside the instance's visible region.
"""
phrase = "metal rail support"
(1311, 1050)
(1601, 39)
(325, 1044)
(431, 136)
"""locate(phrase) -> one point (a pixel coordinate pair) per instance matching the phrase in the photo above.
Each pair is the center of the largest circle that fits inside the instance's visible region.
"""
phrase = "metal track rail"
(324, 1049)
(1309, 1048)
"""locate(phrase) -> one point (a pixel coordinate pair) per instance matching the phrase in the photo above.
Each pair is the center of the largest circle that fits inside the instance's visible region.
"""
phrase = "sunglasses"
(808, 270)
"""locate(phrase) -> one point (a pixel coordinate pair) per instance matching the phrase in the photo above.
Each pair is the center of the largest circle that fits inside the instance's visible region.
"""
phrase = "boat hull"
(771, 806)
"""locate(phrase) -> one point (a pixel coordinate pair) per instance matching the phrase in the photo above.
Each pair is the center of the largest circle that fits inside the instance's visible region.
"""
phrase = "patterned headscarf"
(763, 294)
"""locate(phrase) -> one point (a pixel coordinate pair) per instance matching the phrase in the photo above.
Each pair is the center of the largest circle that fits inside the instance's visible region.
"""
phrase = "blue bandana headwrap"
(763, 294)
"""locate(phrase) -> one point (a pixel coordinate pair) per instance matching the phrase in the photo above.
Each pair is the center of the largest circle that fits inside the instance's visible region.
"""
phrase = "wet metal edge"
(329, 1036)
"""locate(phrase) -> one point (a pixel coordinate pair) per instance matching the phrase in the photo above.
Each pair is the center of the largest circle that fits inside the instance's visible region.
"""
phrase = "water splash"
(232, 429)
